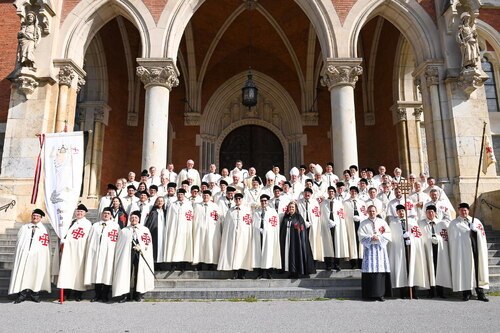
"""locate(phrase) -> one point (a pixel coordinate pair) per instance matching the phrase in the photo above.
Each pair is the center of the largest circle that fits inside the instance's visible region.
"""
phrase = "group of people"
(402, 233)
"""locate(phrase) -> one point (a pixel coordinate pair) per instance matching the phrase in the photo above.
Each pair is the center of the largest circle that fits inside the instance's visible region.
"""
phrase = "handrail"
(8, 205)
(489, 204)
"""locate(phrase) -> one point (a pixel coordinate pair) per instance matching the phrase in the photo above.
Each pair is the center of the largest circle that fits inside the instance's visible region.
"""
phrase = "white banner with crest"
(63, 163)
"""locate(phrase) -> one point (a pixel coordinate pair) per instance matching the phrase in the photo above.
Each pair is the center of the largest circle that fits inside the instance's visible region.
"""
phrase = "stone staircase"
(219, 285)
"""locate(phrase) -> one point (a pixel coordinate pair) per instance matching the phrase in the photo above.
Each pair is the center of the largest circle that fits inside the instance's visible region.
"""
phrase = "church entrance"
(256, 146)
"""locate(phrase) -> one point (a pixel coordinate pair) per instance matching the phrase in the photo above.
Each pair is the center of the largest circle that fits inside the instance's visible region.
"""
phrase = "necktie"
(181, 203)
(403, 224)
(331, 210)
(276, 204)
(307, 210)
(262, 218)
(329, 182)
(33, 229)
(229, 204)
(355, 207)
(432, 223)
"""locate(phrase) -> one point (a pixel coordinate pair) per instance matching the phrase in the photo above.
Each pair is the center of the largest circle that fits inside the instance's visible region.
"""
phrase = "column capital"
(417, 113)
(158, 72)
(341, 72)
(67, 70)
(431, 75)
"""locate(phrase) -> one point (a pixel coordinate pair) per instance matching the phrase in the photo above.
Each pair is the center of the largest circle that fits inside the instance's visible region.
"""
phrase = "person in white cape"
(468, 254)
(74, 244)
(207, 231)
(266, 239)
(31, 272)
(134, 264)
(310, 211)
(101, 255)
(435, 239)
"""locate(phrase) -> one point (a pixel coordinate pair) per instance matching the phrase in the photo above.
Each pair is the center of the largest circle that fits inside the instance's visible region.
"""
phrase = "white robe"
(420, 198)
(127, 203)
(101, 253)
(378, 204)
(440, 275)
(409, 205)
(417, 274)
(179, 232)
(252, 197)
(376, 259)
(143, 207)
(444, 209)
(236, 244)
(314, 214)
(31, 264)
(266, 249)
(123, 261)
(355, 250)
(341, 249)
(283, 202)
(103, 203)
(462, 260)
(188, 173)
(72, 268)
(207, 231)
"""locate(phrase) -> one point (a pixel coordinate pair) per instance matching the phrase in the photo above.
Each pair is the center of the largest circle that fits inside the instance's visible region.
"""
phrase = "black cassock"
(152, 224)
(300, 258)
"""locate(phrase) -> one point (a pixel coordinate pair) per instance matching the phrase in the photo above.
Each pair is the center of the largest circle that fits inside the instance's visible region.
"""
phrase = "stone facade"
(364, 82)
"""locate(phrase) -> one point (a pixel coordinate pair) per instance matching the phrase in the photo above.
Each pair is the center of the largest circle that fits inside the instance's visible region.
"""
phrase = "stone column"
(340, 76)
(417, 113)
(432, 81)
(399, 116)
(159, 76)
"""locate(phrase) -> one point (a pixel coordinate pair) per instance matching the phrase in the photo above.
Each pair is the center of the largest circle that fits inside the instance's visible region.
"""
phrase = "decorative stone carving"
(310, 118)
(101, 114)
(467, 38)
(418, 83)
(28, 37)
(341, 75)
(432, 75)
(81, 82)
(400, 114)
(369, 118)
(43, 9)
(26, 84)
(470, 79)
(417, 113)
(192, 118)
(66, 75)
(160, 76)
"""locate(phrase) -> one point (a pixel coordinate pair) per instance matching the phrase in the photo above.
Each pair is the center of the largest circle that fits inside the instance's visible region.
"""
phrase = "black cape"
(300, 258)
(152, 224)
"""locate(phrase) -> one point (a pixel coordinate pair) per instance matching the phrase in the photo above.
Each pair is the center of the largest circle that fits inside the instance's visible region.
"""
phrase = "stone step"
(493, 246)
(494, 261)
(495, 279)
(493, 253)
(346, 273)
(258, 283)
(6, 265)
(5, 272)
(494, 269)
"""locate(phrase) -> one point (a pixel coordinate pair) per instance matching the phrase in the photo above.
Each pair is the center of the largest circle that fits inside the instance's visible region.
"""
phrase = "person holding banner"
(74, 246)
(101, 254)
(31, 273)
(133, 269)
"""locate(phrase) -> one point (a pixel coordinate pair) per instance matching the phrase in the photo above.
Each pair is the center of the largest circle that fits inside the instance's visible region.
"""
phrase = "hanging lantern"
(249, 92)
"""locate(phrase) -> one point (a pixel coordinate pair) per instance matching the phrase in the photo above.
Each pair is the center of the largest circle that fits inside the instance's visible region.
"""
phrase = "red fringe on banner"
(38, 171)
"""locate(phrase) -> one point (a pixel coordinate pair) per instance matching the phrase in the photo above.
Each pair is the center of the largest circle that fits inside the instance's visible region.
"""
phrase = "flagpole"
(478, 172)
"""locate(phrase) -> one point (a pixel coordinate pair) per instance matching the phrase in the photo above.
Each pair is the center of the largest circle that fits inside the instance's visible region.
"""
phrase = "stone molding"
(341, 75)
(26, 83)
(158, 72)
(417, 113)
(432, 75)
(310, 118)
(67, 71)
(66, 75)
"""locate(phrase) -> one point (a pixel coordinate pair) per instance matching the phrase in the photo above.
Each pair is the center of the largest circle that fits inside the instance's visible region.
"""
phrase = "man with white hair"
(252, 173)
(189, 172)
(268, 189)
(279, 179)
(397, 175)
(239, 165)
(310, 174)
(153, 179)
(329, 177)
(131, 179)
(169, 173)
(236, 183)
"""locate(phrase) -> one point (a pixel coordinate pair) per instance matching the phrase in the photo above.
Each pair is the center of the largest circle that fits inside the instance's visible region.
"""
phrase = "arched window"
(490, 86)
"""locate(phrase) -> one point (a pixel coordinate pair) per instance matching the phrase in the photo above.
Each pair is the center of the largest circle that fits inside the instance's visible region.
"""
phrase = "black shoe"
(105, 299)
(235, 276)
(337, 268)
(269, 276)
(123, 299)
(95, 299)
(465, 298)
(482, 297)
(138, 297)
(19, 300)
(380, 299)
(35, 297)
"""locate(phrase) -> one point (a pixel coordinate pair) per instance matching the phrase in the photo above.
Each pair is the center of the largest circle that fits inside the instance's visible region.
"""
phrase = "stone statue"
(28, 37)
(467, 38)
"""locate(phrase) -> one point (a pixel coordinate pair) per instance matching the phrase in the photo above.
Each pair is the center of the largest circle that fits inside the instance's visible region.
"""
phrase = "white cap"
(318, 170)
(270, 175)
(236, 172)
(294, 171)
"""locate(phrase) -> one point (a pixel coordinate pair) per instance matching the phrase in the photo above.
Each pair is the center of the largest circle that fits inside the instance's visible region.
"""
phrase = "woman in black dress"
(118, 212)
(296, 253)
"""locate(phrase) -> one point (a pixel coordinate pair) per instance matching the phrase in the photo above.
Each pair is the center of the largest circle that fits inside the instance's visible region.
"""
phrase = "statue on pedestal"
(28, 37)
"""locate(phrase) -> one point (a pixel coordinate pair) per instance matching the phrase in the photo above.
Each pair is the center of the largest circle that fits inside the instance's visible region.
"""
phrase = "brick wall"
(490, 16)
(343, 7)
(9, 26)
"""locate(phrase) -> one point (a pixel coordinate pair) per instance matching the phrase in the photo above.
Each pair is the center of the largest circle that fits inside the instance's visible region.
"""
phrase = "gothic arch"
(409, 17)
(87, 18)
(177, 14)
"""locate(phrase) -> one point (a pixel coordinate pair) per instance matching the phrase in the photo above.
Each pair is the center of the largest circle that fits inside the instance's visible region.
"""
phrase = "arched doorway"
(255, 145)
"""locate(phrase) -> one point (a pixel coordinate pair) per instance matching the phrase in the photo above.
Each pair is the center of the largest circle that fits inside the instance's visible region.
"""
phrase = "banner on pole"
(63, 165)
(488, 154)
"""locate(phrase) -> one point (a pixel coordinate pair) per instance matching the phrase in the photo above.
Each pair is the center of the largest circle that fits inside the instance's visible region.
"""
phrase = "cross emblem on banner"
(78, 233)
(247, 219)
(113, 235)
(189, 215)
(316, 211)
(44, 239)
(273, 220)
(341, 213)
(146, 239)
(214, 215)
(409, 205)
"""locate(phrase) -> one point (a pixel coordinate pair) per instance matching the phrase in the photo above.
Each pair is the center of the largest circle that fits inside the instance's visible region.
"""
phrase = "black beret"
(223, 182)
(332, 188)
(431, 207)
(112, 187)
(107, 209)
(181, 190)
(256, 179)
(204, 183)
(264, 196)
(195, 187)
(354, 188)
(207, 192)
(307, 189)
(82, 207)
(145, 173)
(276, 187)
(136, 213)
(153, 187)
(464, 205)
(287, 183)
(230, 189)
(398, 207)
(171, 184)
(39, 212)
(131, 186)
(238, 195)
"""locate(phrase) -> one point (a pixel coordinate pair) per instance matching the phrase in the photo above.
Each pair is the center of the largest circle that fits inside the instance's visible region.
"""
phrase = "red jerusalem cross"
(409, 205)
(78, 233)
(273, 220)
(146, 239)
(189, 215)
(363, 209)
(44, 239)
(416, 231)
(340, 213)
(316, 211)
(247, 219)
(214, 215)
(113, 235)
